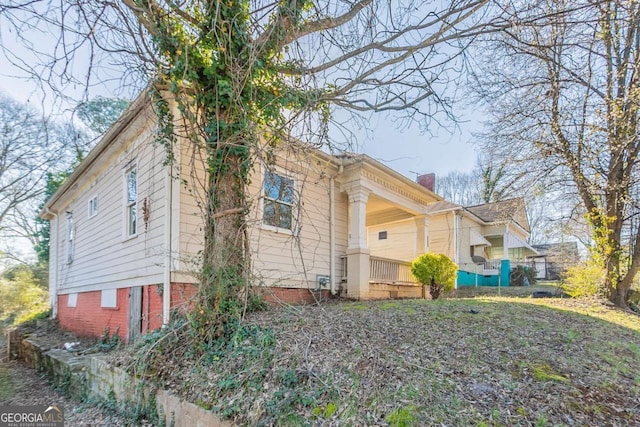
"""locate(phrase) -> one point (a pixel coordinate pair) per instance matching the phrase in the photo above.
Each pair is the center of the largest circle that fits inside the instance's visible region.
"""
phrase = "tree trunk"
(435, 289)
(620, 294)
(225, 259)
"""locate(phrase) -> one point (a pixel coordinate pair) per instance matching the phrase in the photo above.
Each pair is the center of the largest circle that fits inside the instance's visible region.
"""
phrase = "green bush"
(435, 270)
(582, 280)
(21, 297)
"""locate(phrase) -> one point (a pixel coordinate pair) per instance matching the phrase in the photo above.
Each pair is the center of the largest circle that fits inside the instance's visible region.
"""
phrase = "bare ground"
(21, 385)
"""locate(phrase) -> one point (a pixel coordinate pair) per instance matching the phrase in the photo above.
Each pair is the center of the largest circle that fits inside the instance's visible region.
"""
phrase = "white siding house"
(126, 229)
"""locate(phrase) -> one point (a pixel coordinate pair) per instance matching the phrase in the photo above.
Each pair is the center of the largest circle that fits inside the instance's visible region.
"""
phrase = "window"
(131, 202)
(279, 200)
(93, 206)
(70, 237)
(72, 300)
(382, 235)
(109, 298)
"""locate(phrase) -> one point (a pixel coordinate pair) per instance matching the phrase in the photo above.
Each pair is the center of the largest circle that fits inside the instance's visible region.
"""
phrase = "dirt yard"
(20, 385)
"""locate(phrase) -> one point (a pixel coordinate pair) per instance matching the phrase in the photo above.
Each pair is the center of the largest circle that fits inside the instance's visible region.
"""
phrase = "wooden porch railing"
(492, 264)
(385, 270)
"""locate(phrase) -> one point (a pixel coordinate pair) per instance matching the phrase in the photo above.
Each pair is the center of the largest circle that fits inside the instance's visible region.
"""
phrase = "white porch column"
(357, 250)
(506, 242)
(422, 235)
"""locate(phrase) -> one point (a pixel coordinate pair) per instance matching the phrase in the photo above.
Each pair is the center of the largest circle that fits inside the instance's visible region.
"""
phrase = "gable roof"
(124, 122)
(505, 210)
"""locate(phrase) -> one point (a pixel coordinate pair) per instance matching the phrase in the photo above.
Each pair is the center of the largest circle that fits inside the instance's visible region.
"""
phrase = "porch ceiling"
(382, 211)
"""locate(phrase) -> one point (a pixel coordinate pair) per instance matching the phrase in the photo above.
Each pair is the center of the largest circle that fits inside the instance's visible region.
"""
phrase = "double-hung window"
(92, 206)
(131, 202)
(71, 234)
(279, 201)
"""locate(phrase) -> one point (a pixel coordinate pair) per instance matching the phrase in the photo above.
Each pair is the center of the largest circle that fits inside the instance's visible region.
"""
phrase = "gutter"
(166, 283)
(456, 244)
(332, 230)
(53, 273)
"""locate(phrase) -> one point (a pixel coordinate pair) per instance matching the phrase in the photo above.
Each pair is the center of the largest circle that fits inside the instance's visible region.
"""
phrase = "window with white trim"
(71, 234)
(131, 202)
(279, 201)
(92, 206)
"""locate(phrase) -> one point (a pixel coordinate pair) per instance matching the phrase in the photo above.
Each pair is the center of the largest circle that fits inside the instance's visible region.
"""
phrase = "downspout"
(53, 274)
(456, 245)
(166, 283)
(332, 230)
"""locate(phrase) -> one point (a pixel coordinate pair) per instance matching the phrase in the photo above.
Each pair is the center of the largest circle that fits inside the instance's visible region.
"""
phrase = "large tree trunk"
(620, 294)
(225, 259)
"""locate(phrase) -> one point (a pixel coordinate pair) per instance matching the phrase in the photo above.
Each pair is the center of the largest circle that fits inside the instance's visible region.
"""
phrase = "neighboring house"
(126, 229)
(555, 258)
(484, 240)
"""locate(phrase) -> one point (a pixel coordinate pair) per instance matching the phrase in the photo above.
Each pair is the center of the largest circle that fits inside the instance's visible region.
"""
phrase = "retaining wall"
(91, 377)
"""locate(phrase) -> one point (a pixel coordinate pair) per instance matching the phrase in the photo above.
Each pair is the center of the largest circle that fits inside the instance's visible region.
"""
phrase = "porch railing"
(385, 270)
(492, 264)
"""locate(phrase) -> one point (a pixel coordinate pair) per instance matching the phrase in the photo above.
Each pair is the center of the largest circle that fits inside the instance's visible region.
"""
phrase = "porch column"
(357, 250)
(422, 235)
(505, 263)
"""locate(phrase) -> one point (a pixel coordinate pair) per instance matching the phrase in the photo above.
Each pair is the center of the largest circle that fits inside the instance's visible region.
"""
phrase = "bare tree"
(564, 93)
(490, 181)
(26, 154)
(460, 187)
(238, 66)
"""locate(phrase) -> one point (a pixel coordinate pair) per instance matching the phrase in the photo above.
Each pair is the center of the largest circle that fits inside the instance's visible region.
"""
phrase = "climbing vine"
(227, 90)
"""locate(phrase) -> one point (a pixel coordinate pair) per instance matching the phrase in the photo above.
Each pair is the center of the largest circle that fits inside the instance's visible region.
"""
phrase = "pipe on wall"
(332, 230)
(166, 282)
(53, 273)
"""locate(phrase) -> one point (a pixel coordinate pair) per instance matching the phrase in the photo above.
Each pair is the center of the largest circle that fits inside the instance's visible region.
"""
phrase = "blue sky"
(405, 149)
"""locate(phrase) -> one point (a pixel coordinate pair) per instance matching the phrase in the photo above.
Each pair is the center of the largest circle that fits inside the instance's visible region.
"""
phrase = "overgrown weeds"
(481, 361)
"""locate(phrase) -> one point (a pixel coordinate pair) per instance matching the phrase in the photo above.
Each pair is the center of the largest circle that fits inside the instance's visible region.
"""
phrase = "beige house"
(126, 229)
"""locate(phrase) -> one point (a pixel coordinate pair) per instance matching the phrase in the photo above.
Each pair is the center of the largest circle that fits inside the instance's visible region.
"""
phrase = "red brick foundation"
(89, 319)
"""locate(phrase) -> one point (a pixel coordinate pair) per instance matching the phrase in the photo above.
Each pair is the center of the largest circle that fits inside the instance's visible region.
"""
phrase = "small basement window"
(72, 300)
(382, 235)
(109, 298)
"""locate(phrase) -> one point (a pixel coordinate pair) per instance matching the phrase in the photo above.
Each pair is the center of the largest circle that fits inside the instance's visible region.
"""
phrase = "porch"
(387, 228)
(389, 279)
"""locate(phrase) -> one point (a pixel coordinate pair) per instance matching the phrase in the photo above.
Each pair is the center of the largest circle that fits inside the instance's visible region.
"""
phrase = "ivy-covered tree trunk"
(225, 259)
(237, 66)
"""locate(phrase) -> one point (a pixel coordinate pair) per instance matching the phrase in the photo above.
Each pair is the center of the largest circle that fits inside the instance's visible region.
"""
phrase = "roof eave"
(116, 129)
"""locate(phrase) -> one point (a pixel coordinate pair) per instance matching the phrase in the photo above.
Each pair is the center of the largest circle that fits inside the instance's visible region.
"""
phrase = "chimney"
(428, 181)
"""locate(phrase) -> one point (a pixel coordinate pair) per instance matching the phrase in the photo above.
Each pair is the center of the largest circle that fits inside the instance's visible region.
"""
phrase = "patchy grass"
(6, 383)
(509, 291)
(492, 361)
